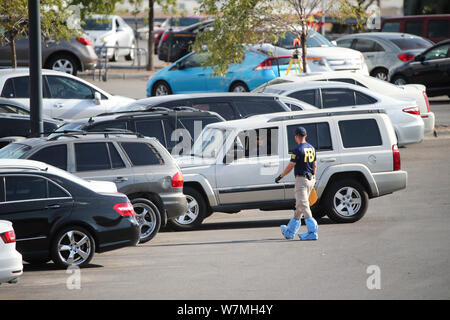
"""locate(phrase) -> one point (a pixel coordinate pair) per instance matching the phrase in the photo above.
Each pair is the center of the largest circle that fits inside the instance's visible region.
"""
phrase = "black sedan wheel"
(72, 246)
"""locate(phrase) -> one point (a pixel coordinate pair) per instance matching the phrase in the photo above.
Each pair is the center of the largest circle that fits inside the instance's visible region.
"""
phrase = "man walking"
(303, 161)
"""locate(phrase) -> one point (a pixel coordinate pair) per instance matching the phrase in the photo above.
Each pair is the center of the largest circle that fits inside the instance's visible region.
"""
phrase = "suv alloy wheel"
(149, 218)
(196, 213)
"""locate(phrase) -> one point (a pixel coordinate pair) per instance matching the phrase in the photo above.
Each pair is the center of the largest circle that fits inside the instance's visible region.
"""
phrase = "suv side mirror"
(97, 98)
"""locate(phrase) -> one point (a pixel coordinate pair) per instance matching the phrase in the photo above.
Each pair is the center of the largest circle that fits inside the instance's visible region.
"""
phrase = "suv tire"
(345, 201)
(149, 218)
(197, 211)
(75, 242)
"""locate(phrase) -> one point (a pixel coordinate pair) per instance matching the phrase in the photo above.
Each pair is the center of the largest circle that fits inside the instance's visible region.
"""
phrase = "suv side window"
(259, 142)
(53, 155)
(191, 123)
(116, 160)
(308, 96)
(360, 133)
(438, 29)
(151, 128)
(91, 156)
(222, 108)
(141, 154)
(251, 107)
(414, 27)
(332, 98)
(19, 188)
(319, 136)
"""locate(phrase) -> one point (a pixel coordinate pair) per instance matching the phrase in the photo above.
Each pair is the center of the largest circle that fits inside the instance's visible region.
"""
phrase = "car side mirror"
(97, 98)
(180, 65)
(419, 58)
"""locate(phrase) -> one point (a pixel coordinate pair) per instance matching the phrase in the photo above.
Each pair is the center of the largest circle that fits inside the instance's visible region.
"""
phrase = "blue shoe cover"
(291, 229)
(312, 226)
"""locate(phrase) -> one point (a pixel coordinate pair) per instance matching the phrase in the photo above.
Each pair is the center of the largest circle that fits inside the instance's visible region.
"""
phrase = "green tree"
(357, 9)
(14, 22)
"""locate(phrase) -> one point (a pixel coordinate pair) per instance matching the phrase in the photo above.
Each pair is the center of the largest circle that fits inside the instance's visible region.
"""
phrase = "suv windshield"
(209, 142)
(13, 151)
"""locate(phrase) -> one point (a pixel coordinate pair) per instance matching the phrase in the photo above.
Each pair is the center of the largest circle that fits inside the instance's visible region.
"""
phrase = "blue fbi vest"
(303, 156)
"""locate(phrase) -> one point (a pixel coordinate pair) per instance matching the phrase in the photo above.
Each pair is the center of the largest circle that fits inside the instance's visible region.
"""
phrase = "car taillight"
(396, 158)
(164, 37)
(177, 180)
(405, 57)
(426, 100)
(265, 65)
(85, 41)
(124, 209)
(8, 237)
(412, 110)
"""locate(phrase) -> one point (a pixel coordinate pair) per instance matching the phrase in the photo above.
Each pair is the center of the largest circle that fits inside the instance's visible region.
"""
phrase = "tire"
(239, 86)
(68, 242)
(161, 88)
(64, 63)
(380, 73)
(399, 80)
(115, 55)
(149, 218)
(345, 201)
(131, 55)
(197, 211)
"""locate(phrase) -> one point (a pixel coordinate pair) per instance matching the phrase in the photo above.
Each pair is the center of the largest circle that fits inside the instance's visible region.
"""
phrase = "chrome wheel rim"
(381, 76)
(146, 218)
(63, 65)
(74, 247)
(191, 214)
(239, 88)
(347, 201)
(400, 81)
(161, 90)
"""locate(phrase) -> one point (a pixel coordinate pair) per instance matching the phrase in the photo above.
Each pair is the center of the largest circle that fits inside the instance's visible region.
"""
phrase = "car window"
(91, 156)
(14, 151)
(345, 80)
(195, 125)
(362, 98)
(364, 45)
(53, 155)
(7, 108)
(345, 43)
(411, 43)
(109, 125)
(151, 128)
(116, 160)
(8, 89)
(66, 88)
(319, 136)
(222, 108)
(308, 96)
(259, 142)
(55, 191)
(439, 52)
(337, 97)
(249, 107)
(391, 27)
(193, 61)
(414, 27)
(439, 29)
(20, 188)
(141, 154)
(360, 133)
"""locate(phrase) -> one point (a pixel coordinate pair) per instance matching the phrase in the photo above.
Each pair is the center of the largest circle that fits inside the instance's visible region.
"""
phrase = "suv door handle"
(58, 105)
(120, 179)
(53, 206)
(328, 160)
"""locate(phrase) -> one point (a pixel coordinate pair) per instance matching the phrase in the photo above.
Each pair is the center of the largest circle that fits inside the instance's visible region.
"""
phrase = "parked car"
(230, 106)
(323, 56)
(64, 96)
(384, 51)
(189, 75)
(61, 217)
(435, 27)
(175, 44)
(140, 167)
(404, 114)
(10, 139)
(408, 91)
(112, 32)
(11, 267)
(430, 68)
(64, 56)
(15, 120)
(357, 156)
(158, 122)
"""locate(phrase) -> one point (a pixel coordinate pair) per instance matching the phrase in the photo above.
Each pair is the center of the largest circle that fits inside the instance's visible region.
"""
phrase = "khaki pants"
(303, 188)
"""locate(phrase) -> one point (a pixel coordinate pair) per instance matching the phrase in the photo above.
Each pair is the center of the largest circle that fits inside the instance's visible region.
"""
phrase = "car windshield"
(13, 151)
(98, 24)
(314, 40)
(209, 143)
(411, 43)
(69, 126)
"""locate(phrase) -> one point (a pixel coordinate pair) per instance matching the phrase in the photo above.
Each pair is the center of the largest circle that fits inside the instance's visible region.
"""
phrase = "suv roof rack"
(325, 114)
(106, 132)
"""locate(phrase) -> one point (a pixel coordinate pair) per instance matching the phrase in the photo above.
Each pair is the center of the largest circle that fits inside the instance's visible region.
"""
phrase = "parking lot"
(403, 239)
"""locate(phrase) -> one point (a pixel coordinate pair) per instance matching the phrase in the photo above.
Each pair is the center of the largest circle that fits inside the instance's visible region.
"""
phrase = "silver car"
(383, 51)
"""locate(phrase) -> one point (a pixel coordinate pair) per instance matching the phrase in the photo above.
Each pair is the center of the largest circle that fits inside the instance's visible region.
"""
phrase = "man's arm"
(288, 169)
(315, 167)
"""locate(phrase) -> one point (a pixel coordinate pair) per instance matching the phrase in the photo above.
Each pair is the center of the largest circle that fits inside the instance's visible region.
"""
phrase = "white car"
(412, 91)
(64, 96)
(404, 114)
(11, 267)
(113, 32)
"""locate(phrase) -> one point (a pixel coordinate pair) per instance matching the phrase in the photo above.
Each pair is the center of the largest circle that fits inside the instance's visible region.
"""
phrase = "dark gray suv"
(141, 168)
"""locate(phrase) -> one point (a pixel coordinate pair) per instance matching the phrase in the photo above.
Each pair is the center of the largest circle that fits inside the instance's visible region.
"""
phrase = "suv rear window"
(249, 107)
(411, 43)
(360, 133)
(308, 96)
(91, 156)
(141, 154)
(318, 136)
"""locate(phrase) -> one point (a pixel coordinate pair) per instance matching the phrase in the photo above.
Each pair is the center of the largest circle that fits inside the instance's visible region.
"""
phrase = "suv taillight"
(426, 100)
(85, 41)
(412, 110)
(125, 209)
(396, 158)
(177, 180)
(8, 237)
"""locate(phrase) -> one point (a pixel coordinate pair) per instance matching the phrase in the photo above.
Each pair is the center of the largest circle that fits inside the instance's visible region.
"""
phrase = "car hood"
(333, 52)
(186, 162)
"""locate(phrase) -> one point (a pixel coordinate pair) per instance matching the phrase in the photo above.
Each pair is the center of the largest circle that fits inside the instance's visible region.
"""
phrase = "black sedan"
(430, 68)
(61, 217)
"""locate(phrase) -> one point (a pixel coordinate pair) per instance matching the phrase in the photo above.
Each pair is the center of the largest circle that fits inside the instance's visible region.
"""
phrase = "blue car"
(187, 75)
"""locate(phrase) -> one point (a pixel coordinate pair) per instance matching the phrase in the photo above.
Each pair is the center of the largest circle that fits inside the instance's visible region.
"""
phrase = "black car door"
(33, 204)
(434, 70)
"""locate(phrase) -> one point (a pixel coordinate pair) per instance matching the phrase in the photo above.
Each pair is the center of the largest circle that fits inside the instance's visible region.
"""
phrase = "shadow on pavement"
(51, 267)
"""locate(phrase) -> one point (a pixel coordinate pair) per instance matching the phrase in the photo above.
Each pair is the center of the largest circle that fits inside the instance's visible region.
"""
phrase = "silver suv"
(233, 164)
(140, 167)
